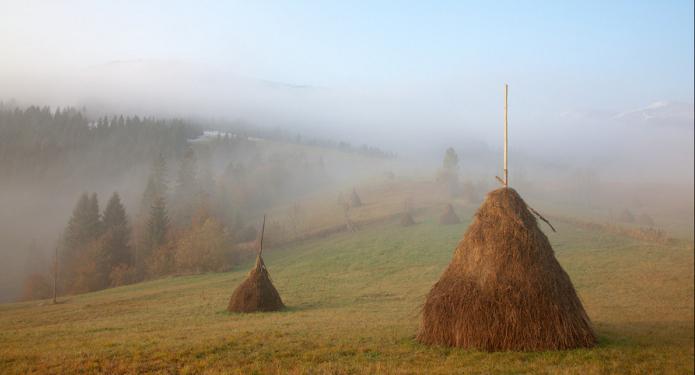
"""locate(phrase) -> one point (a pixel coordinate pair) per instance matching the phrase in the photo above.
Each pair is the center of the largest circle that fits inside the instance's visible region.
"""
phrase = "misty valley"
(446, 187)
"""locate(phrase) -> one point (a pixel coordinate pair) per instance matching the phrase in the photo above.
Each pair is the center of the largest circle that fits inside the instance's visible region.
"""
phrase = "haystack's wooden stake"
(506, 175)
(260, 250)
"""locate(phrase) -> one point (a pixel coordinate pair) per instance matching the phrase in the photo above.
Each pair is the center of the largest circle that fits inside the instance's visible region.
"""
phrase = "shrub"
(203, 248)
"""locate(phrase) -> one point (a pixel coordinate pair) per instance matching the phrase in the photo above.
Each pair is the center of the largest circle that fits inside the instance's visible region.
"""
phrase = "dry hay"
(504, 289)
(627, 216)
(256, 292)
(449, 216)
(407, 219)
(355, 200)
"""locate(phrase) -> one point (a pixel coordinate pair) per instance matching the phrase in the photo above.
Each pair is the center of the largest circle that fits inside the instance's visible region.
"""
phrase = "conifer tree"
(186, 188)
(94, 217)
(451, 160)
(156, 184)
(156, 189)
(158, 223)
(83, 228)
(116, 232)
(154, 255)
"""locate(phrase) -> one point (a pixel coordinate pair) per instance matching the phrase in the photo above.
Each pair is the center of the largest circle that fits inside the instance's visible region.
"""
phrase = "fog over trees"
(149, 197)
(153, 148)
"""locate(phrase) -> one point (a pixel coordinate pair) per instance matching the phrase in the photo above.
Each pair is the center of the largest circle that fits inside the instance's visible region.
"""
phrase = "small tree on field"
(449, 172)
(451, 160)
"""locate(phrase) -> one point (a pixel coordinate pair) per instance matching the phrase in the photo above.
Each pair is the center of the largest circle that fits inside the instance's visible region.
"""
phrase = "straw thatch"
(504, 289)
(407, 219)
(355, 200)
(256, 292)
(627, 216)
(449, 216)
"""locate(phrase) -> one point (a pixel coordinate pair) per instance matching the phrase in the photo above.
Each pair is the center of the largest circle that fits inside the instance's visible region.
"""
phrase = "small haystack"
(626, 216)
(256, 292)
(355, 200)
(504, 289)
(449, 216)
(407, 219)
(645, 220)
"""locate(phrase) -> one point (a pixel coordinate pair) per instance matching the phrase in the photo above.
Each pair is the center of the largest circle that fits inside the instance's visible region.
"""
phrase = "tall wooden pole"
(506, 174)
(260, 250)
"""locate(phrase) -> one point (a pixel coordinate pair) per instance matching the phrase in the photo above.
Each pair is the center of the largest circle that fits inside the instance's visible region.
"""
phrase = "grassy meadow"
(353, 302)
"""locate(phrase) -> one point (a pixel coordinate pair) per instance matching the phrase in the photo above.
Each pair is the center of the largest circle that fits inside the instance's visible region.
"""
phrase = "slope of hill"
(353, 303)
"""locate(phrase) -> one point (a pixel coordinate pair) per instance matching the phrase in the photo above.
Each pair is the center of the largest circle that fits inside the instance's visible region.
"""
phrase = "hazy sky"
(367, 68)
(634, 46)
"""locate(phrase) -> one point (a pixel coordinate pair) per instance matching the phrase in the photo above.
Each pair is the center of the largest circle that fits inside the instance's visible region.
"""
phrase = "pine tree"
(76, 232)
(449, 173)
(156, 184)
(116, 232)
(158, 223)
(154, 251)
(451, 160)
(94, 216)
(186, 188)
(83, 228)
(156, 188)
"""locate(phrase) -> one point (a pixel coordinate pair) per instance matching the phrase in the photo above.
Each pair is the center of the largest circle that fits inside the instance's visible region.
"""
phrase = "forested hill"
(57, 162)
(38, 143)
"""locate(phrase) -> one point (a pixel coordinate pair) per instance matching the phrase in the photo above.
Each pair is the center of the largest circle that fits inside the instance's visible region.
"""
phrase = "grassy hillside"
(353, 302)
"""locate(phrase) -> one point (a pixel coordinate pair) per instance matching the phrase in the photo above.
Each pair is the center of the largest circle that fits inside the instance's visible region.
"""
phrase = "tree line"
(196, 210)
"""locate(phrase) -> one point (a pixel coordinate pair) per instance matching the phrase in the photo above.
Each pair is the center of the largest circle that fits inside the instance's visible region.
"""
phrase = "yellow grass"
(353, 303)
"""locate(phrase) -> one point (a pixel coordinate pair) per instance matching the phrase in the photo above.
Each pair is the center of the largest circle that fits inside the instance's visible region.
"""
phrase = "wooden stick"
(260, 250)
(541, 217)
(506, 175)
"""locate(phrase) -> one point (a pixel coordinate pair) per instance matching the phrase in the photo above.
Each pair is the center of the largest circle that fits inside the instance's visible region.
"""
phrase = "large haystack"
(449, 216)
(504, 289)
(355, 200)
(256, 293)
(407, 219)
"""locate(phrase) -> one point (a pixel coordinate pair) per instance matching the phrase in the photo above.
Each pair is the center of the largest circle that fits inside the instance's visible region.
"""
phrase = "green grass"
(353, 303)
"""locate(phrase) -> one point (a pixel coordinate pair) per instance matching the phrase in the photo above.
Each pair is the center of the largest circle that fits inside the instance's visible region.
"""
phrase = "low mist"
(332, 107)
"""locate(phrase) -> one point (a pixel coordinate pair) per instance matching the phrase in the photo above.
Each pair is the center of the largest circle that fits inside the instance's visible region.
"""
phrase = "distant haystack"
(504, 289)
(449, 216)
(627, 217)
(407, 219)
(355, 200)
(645, 220)
(256, 293)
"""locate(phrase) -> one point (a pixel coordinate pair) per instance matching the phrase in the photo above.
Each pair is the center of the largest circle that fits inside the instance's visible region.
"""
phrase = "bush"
(161, 262)
(203, 248)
